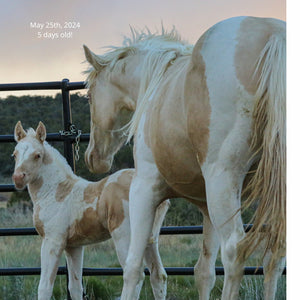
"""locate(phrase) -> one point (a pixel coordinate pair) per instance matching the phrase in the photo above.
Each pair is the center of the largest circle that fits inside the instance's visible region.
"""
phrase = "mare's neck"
(127, 74)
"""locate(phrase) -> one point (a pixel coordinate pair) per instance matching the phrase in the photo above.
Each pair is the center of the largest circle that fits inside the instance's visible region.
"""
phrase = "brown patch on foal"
(34, 188)
(64, 188)
(113, 195)
(39, 225)
(88, 229)
(93, 190)
(96, 225)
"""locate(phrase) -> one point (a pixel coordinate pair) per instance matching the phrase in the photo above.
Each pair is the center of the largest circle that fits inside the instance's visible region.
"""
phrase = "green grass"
(176, 251)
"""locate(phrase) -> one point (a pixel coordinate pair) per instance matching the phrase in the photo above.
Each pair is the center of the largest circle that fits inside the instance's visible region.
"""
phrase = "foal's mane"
(160, 50)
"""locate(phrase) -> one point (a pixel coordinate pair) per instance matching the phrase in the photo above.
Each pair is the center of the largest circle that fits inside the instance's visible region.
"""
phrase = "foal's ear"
(129, 103)
(19, 132)
(41, 132)
(92, 58)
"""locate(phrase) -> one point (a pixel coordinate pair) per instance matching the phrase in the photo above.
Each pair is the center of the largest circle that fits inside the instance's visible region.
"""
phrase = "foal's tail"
(268, 184)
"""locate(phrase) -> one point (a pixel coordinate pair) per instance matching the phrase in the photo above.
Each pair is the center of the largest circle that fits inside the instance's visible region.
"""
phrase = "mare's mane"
(142, 40)
(159, 51)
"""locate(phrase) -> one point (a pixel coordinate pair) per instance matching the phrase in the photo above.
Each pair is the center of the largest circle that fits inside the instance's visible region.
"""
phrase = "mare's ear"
(92, 58)
(41, 132)
(19, 132)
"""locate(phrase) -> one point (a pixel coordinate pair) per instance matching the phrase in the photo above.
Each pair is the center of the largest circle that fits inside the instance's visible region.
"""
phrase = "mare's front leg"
(121, 239)
(74, 258)
(272, 274)
(145, 195)
(51, 251)
(205, 274)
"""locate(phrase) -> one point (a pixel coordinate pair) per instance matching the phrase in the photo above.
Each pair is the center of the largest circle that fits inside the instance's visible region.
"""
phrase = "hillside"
(32, 109)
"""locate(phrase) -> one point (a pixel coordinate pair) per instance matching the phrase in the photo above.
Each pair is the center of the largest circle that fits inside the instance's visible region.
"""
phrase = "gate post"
(68, 145)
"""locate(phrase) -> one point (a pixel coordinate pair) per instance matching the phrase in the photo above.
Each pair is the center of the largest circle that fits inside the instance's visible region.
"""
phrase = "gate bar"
(51, 85)
(166, 230)
(119, 271)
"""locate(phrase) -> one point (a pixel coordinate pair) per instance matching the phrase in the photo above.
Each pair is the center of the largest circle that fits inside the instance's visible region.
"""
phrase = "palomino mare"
(70, 212)
(201, 117)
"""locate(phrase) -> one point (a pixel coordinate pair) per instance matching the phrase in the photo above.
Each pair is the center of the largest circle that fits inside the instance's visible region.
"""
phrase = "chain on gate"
(73, 131)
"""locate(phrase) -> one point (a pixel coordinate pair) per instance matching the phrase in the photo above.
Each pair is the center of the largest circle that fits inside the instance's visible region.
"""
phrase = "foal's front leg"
(144, 196)
(74, 262)
(51, 251)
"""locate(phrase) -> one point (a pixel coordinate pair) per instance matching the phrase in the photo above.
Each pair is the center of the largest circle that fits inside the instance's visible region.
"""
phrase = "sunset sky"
(30, 54)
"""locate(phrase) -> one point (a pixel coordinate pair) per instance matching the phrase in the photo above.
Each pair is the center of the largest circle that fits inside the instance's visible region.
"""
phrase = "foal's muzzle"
(19, 180)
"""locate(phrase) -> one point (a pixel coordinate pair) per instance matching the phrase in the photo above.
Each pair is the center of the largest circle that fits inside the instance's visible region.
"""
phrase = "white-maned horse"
(201, 116)
(70, 212)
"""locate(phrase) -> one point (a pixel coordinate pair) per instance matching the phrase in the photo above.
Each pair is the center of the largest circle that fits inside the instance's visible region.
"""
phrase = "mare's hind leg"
(74, 258)
(205, 274)
(272, 274)
(223, 200)
(158, 275)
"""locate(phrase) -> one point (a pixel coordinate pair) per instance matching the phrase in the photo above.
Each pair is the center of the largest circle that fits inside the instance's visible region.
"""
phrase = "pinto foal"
(70, 212)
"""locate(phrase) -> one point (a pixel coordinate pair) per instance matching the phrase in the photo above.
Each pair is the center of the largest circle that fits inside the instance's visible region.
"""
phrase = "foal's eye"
(88, 97)
(37, 156)
(13, 156)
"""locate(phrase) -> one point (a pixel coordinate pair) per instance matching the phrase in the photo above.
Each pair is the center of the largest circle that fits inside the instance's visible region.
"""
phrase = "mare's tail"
(268, 184)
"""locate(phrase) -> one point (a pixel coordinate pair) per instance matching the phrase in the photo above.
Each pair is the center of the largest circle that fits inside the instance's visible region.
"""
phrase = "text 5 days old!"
(48, 35)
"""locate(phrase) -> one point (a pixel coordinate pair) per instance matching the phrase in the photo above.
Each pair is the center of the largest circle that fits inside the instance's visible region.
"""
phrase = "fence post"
(68, 145)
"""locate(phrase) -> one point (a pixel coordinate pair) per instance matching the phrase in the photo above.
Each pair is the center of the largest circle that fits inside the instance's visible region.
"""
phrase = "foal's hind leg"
(272, 274)
(158, 275)
(205, 274)
(223, 199)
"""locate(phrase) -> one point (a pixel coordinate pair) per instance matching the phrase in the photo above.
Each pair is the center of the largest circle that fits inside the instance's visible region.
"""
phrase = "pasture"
(180, 251)
(175, 250)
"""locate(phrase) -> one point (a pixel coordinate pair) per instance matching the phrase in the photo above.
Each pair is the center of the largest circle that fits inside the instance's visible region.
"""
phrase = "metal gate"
(68, 140)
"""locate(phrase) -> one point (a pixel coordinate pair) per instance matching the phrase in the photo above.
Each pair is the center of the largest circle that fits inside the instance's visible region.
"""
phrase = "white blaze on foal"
(70, 212)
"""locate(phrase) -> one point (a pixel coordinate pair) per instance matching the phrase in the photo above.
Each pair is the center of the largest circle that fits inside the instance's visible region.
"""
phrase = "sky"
(32, 54)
